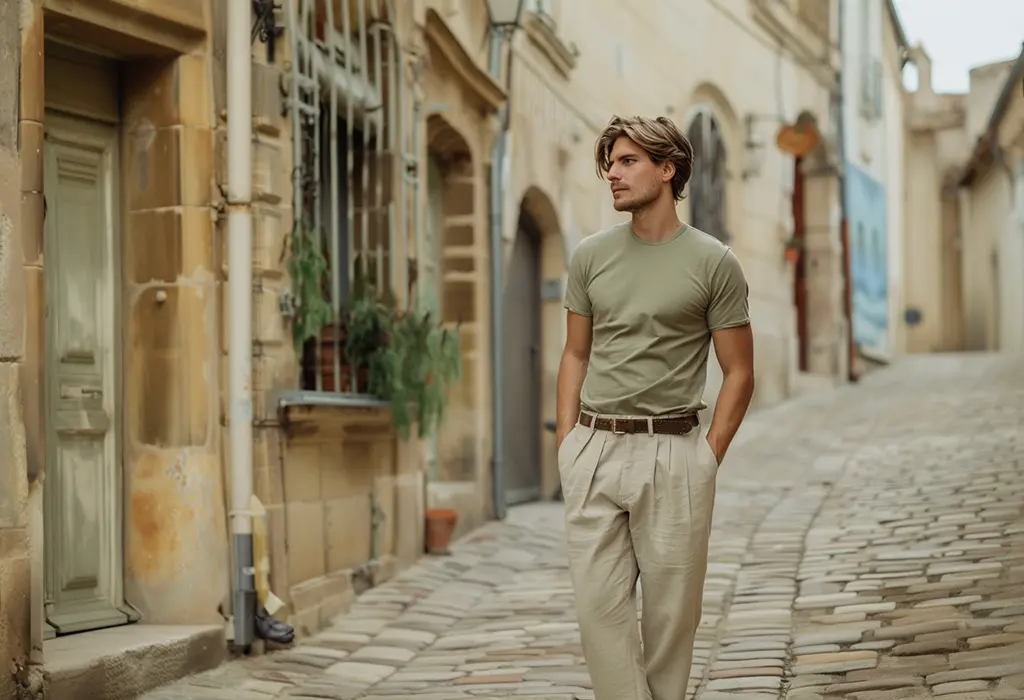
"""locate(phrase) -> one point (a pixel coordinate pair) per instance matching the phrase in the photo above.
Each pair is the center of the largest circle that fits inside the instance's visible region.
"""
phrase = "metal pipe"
(497, 307)
(239, 196)
(333, 199)
(350, 229)
(385, 124)
(364, 183)
(838, 109)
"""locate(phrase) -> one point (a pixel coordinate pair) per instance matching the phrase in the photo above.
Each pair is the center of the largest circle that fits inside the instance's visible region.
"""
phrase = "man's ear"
(668, 171)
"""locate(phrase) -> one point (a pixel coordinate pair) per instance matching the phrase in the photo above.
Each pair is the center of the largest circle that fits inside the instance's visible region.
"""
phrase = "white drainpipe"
(239, 187)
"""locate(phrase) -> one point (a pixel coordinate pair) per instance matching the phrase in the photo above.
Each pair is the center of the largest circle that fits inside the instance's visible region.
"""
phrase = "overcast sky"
(961, 34)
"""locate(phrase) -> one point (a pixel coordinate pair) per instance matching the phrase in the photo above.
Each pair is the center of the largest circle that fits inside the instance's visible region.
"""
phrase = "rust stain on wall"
(156, 517)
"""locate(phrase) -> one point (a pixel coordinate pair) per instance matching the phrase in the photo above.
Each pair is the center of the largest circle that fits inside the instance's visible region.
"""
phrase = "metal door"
(522, 371)
(83, 492)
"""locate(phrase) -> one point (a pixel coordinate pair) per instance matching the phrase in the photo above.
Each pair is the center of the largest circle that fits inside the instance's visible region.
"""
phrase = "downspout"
(497, 307)
(239, 196)
(844, 216)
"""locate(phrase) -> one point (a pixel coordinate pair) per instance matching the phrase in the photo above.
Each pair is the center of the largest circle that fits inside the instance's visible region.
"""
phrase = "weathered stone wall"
(15, 551)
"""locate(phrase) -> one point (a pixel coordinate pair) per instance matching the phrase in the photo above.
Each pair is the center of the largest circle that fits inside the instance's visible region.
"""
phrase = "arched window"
(708, 181)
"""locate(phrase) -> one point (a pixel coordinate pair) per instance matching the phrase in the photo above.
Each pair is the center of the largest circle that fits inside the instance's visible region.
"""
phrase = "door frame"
(64, 127)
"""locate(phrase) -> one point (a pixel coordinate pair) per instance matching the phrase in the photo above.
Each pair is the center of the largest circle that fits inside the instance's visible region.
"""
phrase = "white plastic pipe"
(239, 196)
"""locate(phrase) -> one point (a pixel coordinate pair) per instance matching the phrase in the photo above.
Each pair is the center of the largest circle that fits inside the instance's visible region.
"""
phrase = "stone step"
(127, 661)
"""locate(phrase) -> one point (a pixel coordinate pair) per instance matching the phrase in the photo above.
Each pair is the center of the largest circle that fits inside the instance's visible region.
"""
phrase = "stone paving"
(868, 545)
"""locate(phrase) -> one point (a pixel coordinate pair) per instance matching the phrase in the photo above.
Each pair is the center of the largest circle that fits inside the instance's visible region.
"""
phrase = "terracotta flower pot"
(792, 254)
(440, 526)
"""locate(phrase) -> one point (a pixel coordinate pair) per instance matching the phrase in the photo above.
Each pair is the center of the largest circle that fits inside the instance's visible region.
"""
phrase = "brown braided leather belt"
(680, 425)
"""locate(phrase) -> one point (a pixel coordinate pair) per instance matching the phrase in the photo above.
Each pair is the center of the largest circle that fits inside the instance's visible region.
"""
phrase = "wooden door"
(83, 491)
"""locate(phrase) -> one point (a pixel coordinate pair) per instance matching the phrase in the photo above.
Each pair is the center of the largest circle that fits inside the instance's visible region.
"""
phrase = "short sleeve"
(729, 305)
(577, 299)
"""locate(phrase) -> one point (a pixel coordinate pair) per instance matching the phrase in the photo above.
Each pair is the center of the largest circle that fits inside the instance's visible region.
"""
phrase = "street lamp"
(504, 14)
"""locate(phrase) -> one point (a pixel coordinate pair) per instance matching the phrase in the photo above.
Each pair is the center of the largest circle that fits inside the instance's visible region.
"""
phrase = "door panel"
(83, 492)
(522, 370)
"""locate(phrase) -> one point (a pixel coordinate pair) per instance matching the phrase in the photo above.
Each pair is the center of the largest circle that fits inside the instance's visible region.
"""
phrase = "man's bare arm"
(735, 350)
(571, 371)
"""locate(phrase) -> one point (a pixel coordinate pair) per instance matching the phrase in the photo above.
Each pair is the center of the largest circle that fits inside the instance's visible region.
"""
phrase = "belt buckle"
(615, 427)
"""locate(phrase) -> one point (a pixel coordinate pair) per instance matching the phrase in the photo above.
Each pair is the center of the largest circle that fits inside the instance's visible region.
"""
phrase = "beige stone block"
(270, 182)
(271, 228)
(305, 528)
(410, 508)
(12, 275)
(13, 482)
(335, 605)
(166, 245)
(15, 615)
(31, 369)
(308, 594)
(197, 183)
(32, 228)
(194, 93)
(302, 477)
(169, 167)
(350, 475)
(278, 536)
(269, 324)
(14, 543)
(31, 135)
(348, 532)
(388, 518)
(176, 541)
(270, 440)
(172, 365)
(31, 89)
(150, 94)
(153, 168)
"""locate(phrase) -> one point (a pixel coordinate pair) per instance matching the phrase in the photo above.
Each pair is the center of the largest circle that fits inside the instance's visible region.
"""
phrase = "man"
(644, 301)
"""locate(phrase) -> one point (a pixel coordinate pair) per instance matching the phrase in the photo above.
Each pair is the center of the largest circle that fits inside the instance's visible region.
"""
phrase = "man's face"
(635, 179)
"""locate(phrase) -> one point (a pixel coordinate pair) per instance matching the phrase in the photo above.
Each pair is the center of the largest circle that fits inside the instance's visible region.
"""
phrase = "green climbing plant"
(309, 269)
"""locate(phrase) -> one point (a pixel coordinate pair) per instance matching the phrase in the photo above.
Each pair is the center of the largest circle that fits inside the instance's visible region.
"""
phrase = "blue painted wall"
(869, 261)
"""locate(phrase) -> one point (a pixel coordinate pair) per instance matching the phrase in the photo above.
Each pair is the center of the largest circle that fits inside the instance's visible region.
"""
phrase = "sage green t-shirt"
(653, 306)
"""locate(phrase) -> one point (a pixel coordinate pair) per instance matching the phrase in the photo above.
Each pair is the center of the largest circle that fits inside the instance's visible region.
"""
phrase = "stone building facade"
(965, 194)
(377, 122)
(19, 497)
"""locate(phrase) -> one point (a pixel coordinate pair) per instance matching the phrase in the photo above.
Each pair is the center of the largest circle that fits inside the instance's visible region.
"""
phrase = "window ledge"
(542, 34)
(324, 416)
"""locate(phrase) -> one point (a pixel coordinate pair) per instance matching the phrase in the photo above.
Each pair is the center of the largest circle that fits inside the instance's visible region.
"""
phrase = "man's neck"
(656, 223)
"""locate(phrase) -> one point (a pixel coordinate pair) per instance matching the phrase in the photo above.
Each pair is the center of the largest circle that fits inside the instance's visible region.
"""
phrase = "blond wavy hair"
(660, 138)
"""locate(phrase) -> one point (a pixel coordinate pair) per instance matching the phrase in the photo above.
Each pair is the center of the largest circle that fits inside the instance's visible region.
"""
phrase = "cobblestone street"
(868, 544)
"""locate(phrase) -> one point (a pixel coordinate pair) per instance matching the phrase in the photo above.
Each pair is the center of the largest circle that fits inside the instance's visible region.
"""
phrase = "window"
(708, 181)
(344, 181)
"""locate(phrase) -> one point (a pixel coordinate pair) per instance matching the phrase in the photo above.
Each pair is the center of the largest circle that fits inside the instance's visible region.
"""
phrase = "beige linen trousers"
(637, 505)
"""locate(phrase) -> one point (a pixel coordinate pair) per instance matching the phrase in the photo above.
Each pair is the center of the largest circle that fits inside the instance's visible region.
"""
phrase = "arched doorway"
(447, 284)
(709, 180)
(522, 369)
(533, 337)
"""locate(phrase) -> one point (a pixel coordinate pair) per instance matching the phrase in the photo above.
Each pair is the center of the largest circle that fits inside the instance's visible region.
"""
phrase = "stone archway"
(533, 341)
(714, 197)
(448, 279)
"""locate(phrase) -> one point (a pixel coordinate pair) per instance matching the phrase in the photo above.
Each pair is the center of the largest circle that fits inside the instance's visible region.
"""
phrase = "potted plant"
(405, 357)
(793, 250)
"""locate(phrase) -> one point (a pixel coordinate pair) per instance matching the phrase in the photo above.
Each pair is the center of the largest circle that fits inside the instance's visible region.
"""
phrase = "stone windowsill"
(329, 415)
